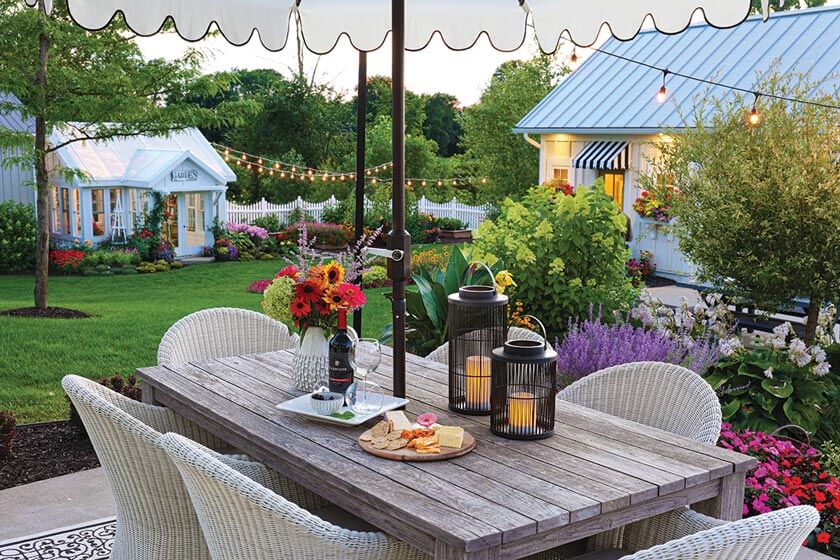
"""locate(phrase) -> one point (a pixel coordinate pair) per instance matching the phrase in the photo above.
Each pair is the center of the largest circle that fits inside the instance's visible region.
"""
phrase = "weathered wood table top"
(506, 499)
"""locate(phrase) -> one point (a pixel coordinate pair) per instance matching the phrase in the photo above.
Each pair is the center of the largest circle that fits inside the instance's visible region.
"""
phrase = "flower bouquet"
(310, 300)
(656, 204)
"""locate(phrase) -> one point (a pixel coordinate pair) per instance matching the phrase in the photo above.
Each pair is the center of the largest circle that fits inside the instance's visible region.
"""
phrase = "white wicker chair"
(242, 519)
(441, 353)
(222, 332)
(155, 516)
(688, 535)
(664, 396)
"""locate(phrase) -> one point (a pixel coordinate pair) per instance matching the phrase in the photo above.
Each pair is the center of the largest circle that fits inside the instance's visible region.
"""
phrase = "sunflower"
(334, 273)
(334, 298)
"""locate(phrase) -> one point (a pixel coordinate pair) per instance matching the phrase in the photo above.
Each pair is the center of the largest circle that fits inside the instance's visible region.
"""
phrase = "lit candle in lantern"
(523, 412)
(478, 381)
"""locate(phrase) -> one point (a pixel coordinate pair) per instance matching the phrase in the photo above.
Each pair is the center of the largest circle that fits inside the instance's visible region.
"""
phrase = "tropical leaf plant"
(427, 306)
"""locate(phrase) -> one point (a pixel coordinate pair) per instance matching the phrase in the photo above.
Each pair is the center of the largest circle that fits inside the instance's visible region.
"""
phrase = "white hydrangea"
(768, 373)
(818, 354)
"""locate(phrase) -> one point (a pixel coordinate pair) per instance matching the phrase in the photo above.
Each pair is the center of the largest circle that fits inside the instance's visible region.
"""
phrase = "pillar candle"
(478, 381)
(522, 412)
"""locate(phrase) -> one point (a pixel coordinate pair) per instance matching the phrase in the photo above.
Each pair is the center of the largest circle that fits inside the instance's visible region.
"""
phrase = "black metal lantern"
(524, 381)
(477, 324)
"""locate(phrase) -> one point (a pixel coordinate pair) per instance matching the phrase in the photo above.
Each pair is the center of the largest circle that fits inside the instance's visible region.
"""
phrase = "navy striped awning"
(603, 155)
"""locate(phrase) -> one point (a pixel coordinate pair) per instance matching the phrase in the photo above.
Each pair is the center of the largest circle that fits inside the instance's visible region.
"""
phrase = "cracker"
(367, 436)
(381, 429)
(379, 443)
(397, 444)
(393, 436)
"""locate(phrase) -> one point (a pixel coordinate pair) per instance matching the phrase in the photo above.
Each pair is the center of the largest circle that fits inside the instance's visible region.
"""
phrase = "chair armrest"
(666, 527)
(274, 481)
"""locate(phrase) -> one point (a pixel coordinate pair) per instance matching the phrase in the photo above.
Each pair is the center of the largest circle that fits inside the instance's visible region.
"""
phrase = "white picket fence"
(470, 215)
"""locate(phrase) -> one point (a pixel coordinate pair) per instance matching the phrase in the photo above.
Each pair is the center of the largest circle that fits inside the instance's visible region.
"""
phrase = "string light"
(755, 117)
(574, 57)
(663, 91)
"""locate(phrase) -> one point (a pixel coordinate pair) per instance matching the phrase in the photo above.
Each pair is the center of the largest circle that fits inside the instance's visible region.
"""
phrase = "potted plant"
(453, 230)
(8, 429)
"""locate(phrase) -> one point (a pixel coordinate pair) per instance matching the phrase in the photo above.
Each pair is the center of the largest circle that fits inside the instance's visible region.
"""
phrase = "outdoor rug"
(91, 541)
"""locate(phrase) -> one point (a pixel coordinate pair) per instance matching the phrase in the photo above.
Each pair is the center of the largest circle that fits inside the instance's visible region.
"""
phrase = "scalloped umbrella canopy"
(366, 23)
(413, 24)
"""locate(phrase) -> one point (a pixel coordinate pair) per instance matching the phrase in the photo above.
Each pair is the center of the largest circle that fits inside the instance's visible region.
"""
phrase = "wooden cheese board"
(407, 454)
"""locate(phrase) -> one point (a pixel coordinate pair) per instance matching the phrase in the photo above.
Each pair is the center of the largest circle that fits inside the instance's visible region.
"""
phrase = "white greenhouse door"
(193, 226)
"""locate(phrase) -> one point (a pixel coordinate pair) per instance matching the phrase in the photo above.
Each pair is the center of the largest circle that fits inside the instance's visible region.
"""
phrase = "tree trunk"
(812, 319)
(42, 247)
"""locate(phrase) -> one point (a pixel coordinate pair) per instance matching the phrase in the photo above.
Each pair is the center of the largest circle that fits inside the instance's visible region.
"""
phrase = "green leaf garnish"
(346, 415)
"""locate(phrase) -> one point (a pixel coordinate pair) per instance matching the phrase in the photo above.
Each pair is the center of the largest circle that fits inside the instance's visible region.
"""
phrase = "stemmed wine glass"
(365, 358)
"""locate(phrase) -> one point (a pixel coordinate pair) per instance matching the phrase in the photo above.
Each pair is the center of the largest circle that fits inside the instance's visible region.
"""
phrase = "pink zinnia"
(290, 271)
(353, 295)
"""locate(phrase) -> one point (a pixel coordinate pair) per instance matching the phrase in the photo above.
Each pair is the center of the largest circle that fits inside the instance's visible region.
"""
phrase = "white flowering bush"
(774, 381)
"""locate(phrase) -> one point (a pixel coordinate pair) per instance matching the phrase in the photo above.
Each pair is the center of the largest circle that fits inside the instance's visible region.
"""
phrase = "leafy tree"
(419, 152)
(442, 123)
(781, 5)
(379, 105)
(759, 210)
(99, 82)
(509, 163)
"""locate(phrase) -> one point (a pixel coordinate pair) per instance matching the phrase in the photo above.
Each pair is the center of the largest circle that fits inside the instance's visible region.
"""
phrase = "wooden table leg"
(147, 393)
(728, 505)
(446, 551)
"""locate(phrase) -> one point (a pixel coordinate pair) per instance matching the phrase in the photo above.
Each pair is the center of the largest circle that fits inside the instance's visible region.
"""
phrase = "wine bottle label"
(341, 374)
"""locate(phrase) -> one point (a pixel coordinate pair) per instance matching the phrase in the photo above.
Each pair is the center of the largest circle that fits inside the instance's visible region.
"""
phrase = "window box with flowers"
(654, 205)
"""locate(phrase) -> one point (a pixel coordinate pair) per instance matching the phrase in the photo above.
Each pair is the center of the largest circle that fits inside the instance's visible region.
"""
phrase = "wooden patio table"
(505, 499)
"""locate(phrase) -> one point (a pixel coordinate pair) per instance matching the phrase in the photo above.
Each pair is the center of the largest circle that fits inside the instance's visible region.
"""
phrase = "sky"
(463, 74)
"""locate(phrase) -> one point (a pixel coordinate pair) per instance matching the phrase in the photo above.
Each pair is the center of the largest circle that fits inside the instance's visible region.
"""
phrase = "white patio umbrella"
(412, 24)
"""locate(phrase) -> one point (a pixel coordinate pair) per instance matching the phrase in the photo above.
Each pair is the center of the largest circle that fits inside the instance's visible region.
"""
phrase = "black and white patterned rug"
(91, 541)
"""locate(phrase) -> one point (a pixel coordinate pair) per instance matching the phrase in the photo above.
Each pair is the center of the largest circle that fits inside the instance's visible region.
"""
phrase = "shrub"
(146, 268)
(566, 252)
(324, 234)
(66, 261)
(18, 233)
(270, 223)
(254, 233)
(267, 257)
(245, 256)
(450, 223)
(642, 269)
(8, 430)
(259, 286)
(128, 387)
(333, 214)
(788, 474)
(375, 277)
(775, 382)
(176, 265)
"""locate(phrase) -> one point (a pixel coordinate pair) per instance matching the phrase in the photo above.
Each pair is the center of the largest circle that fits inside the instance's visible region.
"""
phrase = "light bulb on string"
(282, 174)
(663, 91)
(271, 173)
(423, 183)
(574, 57)
(440, 183)
(373, 181)
(484, 180)
(260, 161)
(342, 177)
(249, 166)
(755, 116)
(276, 166)
(294, 169)
(245, 156)
(409, 182)
(454, 183)
(239, 162)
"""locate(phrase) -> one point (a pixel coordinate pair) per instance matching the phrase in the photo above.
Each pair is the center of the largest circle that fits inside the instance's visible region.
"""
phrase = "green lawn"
(130, 315)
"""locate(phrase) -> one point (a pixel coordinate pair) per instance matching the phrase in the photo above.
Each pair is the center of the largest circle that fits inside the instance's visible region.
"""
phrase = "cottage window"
(561, 174)
(614, 185)
(97, 198)
(55, 214)
(77, 212)
(65, 210)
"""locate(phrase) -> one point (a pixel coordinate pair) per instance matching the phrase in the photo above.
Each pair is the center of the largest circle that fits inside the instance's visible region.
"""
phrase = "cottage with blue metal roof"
(118, 176)
(604, 119)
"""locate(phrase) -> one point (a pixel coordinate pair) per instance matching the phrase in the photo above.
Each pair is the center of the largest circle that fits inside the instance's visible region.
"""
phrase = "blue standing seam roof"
(606, 95)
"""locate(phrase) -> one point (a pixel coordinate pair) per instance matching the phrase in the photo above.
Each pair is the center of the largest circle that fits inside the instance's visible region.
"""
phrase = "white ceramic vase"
(311, 363)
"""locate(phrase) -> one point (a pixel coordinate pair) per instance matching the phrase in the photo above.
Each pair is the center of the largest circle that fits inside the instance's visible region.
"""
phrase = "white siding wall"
(559, 150)
(16, 183)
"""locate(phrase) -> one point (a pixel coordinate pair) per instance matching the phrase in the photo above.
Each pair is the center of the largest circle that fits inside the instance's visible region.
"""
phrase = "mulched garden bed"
(659, 282)
(46, 313)
(41, 451)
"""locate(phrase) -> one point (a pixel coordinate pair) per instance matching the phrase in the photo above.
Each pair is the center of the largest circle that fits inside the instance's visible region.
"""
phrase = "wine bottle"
(341, 347)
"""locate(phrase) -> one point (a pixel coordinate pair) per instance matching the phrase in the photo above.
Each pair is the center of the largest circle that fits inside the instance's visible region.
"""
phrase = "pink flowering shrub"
(259, 286)
(788, 474)
(252, 231)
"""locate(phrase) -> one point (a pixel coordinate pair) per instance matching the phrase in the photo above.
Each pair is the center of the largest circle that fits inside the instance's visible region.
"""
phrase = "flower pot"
(455, 236)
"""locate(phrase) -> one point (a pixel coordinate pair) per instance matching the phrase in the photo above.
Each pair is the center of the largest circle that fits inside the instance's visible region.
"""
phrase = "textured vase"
(311, 363)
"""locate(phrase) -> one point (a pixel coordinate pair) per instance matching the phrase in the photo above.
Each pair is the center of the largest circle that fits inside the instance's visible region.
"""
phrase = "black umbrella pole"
(398, 238)
(361, 122)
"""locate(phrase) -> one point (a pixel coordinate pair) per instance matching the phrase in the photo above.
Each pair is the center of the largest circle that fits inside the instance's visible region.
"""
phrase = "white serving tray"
(302, 406)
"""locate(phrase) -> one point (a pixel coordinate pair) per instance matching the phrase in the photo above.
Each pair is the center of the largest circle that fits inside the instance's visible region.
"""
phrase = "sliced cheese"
(398, 420)
(450, 436)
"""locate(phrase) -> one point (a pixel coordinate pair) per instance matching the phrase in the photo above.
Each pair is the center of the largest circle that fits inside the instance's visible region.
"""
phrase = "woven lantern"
(477, 324)
(524, 382)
